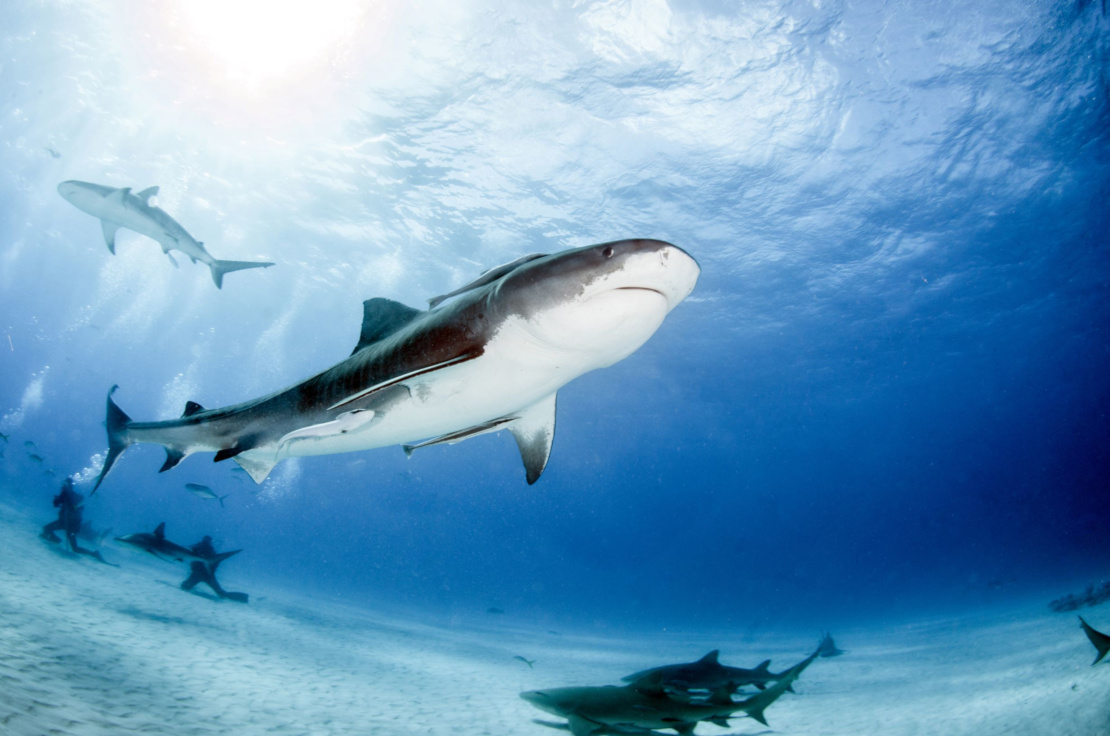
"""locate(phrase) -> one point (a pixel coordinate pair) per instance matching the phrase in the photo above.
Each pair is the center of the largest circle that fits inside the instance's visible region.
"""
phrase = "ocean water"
(886, 400)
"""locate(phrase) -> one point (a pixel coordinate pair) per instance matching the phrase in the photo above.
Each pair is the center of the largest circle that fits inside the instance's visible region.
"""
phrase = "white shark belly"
(509, 377)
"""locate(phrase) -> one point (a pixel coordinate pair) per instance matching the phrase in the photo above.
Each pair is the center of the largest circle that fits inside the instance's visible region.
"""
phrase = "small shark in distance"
(1100, 640)
(828, 648)
(119, 208)
(203, 491)
(491, 359)
(156, 544)
(708, 674)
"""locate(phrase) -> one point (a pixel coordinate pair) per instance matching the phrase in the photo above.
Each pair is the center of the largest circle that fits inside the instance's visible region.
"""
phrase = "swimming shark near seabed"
(708, 674)
(643, 706)
(828, 647)
(119, 208)
(491, 359)
(156, 544)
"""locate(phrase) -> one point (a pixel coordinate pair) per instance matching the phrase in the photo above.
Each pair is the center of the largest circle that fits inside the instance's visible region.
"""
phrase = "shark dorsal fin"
(147, 193)
(534, 431)
(710, 658)
(160, 532)
(191, 408)
(764, 666)
(381, 318)
(486, 278)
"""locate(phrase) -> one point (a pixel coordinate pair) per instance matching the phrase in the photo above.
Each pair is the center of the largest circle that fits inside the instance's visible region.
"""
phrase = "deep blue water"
(887, 395)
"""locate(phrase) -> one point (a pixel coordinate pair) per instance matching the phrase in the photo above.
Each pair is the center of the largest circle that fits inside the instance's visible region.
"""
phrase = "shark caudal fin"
(1100, 640)
(219, 268)
(118, 440)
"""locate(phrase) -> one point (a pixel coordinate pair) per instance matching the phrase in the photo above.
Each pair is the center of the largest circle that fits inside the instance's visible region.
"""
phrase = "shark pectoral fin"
(583, 727)
(534, 431)
(258, 466)
(109, 229)
(119, 195)
(147, 193)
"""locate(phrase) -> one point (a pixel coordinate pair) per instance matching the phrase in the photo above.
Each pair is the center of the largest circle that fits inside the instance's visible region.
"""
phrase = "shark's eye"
(608, 252)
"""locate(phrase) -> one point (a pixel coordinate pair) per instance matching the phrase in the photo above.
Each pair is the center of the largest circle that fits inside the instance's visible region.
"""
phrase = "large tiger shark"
(116, 208)
(491, 358)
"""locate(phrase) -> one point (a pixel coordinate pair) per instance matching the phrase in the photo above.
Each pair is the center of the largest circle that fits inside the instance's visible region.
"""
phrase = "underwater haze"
(886, 399)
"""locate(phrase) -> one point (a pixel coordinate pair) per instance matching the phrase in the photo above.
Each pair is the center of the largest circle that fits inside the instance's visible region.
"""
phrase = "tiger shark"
(491, 358)
(708, 674)
(646, 705)
(119, 208)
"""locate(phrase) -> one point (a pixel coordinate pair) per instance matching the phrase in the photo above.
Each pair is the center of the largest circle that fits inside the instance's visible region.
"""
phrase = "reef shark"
(492, 358)
(708, 674)
(119, 208)
(156, 544)
(643, 706)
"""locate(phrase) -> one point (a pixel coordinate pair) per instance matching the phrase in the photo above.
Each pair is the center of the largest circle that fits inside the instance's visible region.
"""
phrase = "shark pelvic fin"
(118, 440)
(381, 318)
(191, 408)
(534, 431)
(109, 229)
(147, 193)
(172, 259)
(173, 457)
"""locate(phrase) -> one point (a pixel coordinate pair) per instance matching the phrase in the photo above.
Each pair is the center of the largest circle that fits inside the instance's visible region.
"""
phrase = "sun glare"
(259, 44)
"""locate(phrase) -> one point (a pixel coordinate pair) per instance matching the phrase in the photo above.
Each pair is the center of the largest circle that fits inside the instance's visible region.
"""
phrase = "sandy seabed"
(90, 649)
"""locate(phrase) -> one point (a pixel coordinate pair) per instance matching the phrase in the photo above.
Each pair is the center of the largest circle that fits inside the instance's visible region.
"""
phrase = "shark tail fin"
(217, 559)
(1100, 640)
(219, 268)
(118, 440)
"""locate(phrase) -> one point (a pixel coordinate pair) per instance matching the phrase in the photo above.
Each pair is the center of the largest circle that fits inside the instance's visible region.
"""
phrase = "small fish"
(35, 458)
(52, 152)
(528, 662)
(28, 444)
(494, 610)
(204, 492)
(4, 436)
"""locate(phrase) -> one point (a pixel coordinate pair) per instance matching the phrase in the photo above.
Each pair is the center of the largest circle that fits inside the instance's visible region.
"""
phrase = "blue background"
(887, 395)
